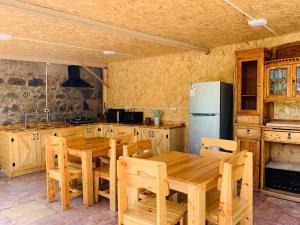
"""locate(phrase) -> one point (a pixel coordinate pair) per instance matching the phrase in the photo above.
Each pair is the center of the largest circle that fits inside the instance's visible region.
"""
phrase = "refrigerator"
(211, 112)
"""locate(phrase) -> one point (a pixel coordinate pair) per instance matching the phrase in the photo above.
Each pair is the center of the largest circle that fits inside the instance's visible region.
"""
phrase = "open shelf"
(290, 166)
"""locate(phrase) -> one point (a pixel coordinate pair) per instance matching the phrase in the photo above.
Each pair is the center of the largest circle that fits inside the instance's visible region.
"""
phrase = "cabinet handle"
(99, 129)
(248, 131)
(294, 81)
(289, 136)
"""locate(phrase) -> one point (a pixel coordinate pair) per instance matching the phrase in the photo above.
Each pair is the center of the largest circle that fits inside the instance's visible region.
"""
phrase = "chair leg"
(248, 220)
(112, 196)
(65, 195)
(96, 188)
(181, 221)
(50, 189)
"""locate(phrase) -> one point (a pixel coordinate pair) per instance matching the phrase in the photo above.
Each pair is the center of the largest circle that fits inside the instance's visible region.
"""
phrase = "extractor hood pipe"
(47, 110)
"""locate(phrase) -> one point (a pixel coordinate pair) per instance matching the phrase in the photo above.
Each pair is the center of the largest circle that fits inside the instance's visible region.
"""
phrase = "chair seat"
(102, 172)
(144, 212)
(212, 207)
(74, 173)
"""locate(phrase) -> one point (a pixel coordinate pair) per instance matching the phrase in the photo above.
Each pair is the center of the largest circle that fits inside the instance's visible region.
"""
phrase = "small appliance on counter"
(114, 115)
(132, 117)
(122, 116)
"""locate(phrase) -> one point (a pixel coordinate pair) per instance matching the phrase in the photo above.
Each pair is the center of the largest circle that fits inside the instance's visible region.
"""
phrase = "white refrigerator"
(211, 107)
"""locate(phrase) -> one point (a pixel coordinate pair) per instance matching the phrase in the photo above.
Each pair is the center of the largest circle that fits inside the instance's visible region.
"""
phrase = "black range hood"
(74, 79)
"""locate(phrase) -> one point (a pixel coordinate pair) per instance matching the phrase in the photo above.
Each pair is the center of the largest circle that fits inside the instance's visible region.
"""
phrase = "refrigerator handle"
(204, 114)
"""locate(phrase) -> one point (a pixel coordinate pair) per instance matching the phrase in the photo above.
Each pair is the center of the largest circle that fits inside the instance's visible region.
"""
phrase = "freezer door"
(205, 97)
(203, 125)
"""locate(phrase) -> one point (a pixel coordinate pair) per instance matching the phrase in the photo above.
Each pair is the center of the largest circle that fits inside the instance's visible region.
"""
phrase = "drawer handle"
(289, 136)
(248, 131)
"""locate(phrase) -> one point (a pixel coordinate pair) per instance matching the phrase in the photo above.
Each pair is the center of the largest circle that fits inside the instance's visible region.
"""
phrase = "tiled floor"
(23, 201)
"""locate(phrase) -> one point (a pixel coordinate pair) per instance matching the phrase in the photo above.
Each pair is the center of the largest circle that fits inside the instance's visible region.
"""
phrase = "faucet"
(26, 117)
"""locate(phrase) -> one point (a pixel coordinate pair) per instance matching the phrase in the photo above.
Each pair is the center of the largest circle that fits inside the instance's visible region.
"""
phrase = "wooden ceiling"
(181, 25)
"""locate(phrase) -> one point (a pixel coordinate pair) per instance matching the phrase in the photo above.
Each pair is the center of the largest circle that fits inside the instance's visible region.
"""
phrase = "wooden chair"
(223, 207)
(109, 171)
(141, 149)
(61, 171)
(207, 144)
(151, 175)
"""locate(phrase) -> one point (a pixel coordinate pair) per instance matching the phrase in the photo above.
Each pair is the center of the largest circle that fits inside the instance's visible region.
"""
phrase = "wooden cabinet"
(282, 80)
(24, 150)
(254, 147)
(40, 139)
(249, 84)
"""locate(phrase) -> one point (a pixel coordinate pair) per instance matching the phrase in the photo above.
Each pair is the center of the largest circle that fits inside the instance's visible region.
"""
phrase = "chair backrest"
(229, 146)
(56, 147)
(237, 167)
(141, 173)
(141, 149)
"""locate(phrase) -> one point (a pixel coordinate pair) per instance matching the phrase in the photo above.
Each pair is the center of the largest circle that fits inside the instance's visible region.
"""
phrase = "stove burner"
(81, 120)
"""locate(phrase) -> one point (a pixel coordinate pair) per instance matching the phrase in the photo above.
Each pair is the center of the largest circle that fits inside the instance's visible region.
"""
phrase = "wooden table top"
(190, 169)
(88, 144)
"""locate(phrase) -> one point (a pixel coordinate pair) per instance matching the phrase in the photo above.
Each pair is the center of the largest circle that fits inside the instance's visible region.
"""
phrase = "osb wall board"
(163, 82)
(287, 111)
(22, 90)
(208, 23)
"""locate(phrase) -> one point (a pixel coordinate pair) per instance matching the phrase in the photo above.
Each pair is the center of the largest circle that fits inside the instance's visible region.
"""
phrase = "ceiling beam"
(28, 58)
(53, 14)
(94, 75)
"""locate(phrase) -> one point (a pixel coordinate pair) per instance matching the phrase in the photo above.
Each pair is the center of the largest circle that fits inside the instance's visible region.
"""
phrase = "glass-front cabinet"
(248, 83)
(296, 80)
(283, 81)
(278, 82)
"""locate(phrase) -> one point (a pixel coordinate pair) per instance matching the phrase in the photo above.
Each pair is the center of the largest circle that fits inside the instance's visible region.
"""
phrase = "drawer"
(250, 133)
(282, 136)
(247, 119)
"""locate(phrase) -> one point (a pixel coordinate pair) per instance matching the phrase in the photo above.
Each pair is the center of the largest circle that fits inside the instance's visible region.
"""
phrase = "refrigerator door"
(205, 97)
(203, 125)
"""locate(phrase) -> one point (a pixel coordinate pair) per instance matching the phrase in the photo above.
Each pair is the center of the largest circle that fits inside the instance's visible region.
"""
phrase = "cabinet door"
(148, 134)
(254, 147)
(296, 80)
(41, 137)
(107, 131)
(248, 86)
(122, 130)
(98, 131)
(161, 141)
(88, 132)
(24, 150)
(278, 82)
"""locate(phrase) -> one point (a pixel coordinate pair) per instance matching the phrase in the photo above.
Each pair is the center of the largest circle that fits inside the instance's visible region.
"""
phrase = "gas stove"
(81, 120)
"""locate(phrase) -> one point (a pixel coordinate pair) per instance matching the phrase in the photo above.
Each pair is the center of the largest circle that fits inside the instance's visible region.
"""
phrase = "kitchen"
(137, 62)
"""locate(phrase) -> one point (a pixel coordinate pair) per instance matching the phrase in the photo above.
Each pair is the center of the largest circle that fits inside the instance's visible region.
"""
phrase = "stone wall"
(22, 90)
(163, 82)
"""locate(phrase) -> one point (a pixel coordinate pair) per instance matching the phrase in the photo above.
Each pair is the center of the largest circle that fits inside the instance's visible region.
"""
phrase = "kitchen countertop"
(54, 125)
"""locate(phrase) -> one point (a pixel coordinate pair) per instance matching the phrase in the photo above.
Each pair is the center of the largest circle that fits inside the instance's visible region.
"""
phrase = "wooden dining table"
(87, 149)
(193, 175)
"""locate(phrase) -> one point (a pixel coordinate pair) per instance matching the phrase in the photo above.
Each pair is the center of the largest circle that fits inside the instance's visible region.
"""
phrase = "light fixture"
(258, 22)
(107, 52)
(5, 37)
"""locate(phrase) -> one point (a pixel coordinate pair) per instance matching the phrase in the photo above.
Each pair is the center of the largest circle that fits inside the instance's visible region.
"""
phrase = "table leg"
(196, 204)
(87, 178)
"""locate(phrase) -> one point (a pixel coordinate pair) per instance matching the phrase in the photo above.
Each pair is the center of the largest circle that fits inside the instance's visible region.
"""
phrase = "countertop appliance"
(211, 106)
(132, 117)
(114, 115)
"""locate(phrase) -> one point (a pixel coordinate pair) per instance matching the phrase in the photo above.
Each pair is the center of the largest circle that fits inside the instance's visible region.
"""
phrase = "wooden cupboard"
(249, 105)
(23, 152)
(249, 85)
(282, 80)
